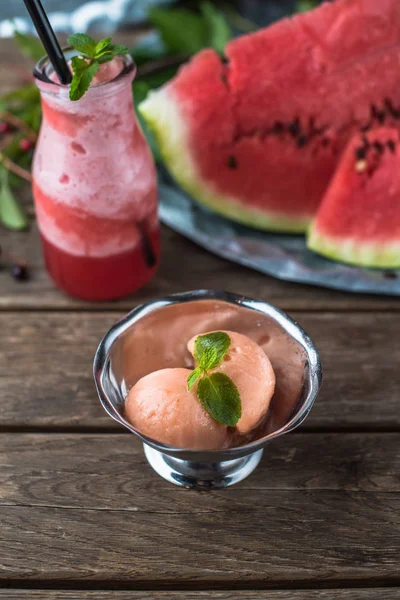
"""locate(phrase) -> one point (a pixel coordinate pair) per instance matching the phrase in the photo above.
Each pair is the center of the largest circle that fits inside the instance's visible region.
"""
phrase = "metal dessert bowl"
(141, 343)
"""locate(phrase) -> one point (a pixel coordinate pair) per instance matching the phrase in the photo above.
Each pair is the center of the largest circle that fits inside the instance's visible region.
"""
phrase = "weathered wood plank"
(339, 594)
(320, 508)
(100, 472)
(184, 266)
(254, 538)
(46, 365)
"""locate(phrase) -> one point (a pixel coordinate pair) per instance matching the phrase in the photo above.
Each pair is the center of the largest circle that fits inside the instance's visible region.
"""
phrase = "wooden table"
(83, 516)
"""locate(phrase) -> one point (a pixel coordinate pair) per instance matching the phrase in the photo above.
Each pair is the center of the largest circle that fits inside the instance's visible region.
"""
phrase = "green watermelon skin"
(358, 221)
(258, 137)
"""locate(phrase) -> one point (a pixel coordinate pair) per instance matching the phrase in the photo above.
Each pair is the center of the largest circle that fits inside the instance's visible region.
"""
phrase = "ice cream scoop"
(160, 406)
(251, 371)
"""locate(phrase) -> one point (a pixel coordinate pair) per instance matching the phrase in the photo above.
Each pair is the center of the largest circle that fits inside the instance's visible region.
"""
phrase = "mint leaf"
(110, 52)
(83, 43)
(194, 376)
(210, 349)
(220, 397)
(29, 46)
(182, 31)
(102, 45)
(83, 76)
(12, 215)
(219, 31)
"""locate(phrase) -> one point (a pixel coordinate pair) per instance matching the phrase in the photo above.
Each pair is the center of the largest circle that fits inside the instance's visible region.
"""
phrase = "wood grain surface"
(89, 508)
(104, 471)
(340, 594)
(184, 267)
(46, 368)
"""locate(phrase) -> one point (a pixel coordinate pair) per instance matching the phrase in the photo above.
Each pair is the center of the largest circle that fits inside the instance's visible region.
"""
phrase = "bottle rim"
(44, 68)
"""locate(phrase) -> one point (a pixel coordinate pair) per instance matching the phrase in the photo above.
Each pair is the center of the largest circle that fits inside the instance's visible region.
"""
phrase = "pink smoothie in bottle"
(94, 185)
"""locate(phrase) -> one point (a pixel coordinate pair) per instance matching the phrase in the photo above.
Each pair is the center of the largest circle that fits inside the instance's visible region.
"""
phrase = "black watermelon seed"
(294, 128)
(232, 162)
(378, 147)
(325, 142)
(392, 146)
(302, 141)
(365, 141)
(395, 112)
(278, 127)
(361, 153)
(379, 115)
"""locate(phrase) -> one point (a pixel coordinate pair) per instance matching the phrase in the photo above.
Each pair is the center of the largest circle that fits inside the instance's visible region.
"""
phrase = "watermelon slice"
(257, 135)
(358, 221)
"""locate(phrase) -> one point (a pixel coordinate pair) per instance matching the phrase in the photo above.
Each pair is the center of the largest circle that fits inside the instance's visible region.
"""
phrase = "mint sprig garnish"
(217, 393)
(91, 55)
(220, 398)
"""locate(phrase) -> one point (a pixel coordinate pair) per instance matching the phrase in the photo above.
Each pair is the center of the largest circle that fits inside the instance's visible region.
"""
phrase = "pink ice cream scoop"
(160, 406)
(251, 371)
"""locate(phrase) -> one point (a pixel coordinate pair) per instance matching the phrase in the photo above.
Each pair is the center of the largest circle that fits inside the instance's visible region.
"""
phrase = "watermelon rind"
(166, 121)
(368, 254)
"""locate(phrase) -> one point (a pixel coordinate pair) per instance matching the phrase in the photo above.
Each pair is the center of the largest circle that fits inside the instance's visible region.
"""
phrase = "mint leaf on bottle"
(102, 46)
(83, 76)
(91, 55)
(220, 397)
(84, 44)
(210, 349)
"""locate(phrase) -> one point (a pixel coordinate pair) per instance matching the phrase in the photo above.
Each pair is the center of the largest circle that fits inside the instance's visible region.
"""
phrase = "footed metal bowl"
(139, 344)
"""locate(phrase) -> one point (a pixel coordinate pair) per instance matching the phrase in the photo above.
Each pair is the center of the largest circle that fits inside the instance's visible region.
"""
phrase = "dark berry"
(19, 272)
(25, 145)
(4, 127)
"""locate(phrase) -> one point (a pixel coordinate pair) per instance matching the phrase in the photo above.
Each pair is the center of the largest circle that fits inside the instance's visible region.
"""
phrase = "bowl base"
(201, 475)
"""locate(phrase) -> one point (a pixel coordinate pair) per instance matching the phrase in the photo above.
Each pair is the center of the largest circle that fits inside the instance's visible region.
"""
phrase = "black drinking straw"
(49, 40)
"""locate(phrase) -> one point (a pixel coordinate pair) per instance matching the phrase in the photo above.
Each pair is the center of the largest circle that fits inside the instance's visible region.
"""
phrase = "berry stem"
(14, 168)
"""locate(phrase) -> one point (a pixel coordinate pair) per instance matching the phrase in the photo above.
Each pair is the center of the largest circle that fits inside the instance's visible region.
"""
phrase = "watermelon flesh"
(257, 136)
(358, 221)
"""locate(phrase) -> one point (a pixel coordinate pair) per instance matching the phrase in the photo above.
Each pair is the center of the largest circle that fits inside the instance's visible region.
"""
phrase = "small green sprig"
(92, 54)
(217, 393)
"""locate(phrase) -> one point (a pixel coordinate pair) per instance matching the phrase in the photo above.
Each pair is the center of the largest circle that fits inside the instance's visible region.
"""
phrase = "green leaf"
(29, 46)
(305, 5)
(219, 31)
(210, 349)
(83, 43)
(144, 54)
(26, 94)
(83, 76)
(182, 31)
(194, 376)
(102, 45)
(12, 215)
(220, 397)
(110, 52)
